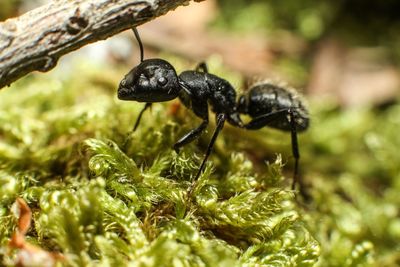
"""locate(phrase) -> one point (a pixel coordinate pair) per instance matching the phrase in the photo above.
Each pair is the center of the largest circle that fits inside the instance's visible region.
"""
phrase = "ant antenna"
(140, 43)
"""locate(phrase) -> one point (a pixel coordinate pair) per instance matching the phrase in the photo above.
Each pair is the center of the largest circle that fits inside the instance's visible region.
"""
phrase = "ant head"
(153, 80)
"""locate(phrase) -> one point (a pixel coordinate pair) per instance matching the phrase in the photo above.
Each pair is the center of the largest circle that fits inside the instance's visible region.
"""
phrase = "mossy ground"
(101, 203)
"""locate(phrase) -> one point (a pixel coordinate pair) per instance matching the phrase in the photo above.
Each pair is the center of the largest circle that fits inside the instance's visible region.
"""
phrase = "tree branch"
(37, 39)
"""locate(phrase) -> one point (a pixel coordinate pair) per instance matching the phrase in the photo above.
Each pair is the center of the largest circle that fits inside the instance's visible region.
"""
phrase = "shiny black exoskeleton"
(155, 80)
(269, 100)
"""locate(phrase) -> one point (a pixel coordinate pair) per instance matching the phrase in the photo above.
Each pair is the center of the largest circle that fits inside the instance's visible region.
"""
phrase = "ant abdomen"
(267, 98)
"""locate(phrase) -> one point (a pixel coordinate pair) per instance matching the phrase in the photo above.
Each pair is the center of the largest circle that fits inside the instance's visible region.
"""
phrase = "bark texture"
(38, 38)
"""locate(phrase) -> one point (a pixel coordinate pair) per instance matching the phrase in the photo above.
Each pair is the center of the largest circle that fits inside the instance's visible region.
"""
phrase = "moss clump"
(98, 202)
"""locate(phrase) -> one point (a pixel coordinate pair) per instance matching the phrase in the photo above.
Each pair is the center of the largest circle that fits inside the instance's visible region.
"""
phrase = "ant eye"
(162, 81)
(123, 82)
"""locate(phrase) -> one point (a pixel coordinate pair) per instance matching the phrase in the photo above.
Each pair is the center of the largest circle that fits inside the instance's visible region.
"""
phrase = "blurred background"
(344, 56)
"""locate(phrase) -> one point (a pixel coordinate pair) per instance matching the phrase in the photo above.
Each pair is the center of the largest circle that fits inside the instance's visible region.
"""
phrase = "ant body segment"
(155, 80)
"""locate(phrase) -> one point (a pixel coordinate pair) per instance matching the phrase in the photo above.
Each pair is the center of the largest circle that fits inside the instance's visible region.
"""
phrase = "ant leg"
(190, 136)
(202, 66)
(201, 110)
(296, 154)
(140, 116)
(263, 120)
(136, 125)
(235, 120)
(295, 149)
(220, 124)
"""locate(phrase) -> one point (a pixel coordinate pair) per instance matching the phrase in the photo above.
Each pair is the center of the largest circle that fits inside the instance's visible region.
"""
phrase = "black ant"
(155, 80)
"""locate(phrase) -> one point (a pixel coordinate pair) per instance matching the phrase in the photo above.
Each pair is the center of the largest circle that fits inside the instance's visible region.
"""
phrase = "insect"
(155, 80)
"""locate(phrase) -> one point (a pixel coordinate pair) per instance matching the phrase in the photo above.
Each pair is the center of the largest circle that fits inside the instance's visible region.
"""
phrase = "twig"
(37, 39)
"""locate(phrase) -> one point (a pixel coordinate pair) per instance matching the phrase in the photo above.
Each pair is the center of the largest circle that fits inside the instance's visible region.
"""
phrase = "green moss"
(99, 202)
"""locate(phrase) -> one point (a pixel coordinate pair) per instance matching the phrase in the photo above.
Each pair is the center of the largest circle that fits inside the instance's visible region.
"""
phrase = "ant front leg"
(202, 66)
(148, 105)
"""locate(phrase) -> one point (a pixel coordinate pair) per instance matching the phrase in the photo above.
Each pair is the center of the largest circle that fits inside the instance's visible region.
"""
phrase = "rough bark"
(38, 38)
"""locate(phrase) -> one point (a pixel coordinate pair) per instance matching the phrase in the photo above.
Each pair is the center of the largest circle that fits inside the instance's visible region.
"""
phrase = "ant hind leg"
(295, 149)
(296, 154)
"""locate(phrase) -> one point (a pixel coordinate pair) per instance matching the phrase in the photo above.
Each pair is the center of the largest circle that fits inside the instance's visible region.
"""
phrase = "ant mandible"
(155, 80)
